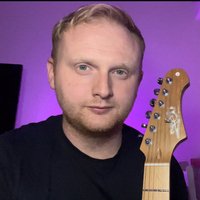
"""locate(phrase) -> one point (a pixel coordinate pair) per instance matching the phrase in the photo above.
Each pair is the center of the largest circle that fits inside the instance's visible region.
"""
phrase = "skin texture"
(96, 79)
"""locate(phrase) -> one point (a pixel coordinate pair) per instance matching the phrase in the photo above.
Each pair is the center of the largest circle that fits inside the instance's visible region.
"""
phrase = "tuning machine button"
(148, 141)
(160, 103)
(152, 128)
(156, 91)
(156, 116)
(148, 114)
(144, 125)
(152, 102)
(169, 80)
(160, 81)
(165, 92)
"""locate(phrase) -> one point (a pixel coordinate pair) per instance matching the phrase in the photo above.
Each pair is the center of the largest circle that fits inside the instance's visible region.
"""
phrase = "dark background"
(10, 79)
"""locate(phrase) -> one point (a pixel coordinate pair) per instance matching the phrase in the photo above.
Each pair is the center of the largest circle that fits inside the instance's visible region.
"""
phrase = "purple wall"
(172, 34)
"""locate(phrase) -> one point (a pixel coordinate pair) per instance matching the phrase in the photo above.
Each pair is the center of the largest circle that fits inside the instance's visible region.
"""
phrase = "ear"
(51, 72)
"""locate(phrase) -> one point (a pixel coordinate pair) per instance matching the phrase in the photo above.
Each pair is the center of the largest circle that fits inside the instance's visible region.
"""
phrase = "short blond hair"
(87, 14)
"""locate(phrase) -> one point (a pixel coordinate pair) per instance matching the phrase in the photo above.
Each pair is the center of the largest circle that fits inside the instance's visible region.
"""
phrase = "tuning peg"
(156, 116)
(152, 102)
(144, 125)
(169, 80)
(156, 91)
(165, 92)
(160, 81)
(148, 114)
(160, 103)
(148, 141)
(152, 128)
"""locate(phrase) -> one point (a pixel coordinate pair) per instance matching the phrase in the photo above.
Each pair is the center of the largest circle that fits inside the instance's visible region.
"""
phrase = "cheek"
(126, 93)
(72, 88)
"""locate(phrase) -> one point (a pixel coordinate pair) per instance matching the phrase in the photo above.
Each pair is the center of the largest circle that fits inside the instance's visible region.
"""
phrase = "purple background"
(172, 34)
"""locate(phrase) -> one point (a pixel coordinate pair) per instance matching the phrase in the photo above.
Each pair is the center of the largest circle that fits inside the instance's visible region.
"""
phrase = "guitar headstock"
(165, 128)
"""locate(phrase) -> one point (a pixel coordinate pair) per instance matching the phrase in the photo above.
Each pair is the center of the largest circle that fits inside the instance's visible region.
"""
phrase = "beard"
(79, 119)
(88, 126)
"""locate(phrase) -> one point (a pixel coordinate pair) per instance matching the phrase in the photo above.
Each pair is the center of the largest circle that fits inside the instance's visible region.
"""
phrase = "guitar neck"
(164, 132)
(156, 181)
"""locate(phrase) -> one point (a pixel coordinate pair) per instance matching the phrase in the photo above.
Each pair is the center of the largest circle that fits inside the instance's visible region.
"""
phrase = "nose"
(102, 86)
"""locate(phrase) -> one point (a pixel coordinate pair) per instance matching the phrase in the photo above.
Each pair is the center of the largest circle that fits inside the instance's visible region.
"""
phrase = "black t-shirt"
(37, 162)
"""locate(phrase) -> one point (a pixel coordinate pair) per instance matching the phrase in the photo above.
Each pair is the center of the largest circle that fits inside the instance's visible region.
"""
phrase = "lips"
(100, 110)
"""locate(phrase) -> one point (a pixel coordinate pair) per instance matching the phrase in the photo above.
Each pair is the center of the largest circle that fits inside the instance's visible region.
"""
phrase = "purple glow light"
(198, 11)
(171, 32)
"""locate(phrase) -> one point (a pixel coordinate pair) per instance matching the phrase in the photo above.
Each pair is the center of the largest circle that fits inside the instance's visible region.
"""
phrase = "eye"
(121, 73)
(83, 69)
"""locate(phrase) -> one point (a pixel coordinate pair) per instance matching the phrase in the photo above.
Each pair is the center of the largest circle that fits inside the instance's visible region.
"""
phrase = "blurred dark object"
(195, 162)
(10, 79)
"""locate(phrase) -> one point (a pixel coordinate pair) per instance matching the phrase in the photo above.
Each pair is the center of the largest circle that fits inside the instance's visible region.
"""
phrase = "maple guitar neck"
(164, 132)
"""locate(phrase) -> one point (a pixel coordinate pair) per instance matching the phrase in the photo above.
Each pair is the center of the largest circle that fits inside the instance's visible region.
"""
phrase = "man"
(87, 153)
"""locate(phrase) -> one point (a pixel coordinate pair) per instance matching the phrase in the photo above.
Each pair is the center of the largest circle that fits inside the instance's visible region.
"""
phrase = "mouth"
(100, 110)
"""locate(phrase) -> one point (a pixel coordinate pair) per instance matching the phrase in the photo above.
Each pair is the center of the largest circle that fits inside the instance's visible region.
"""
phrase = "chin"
(97, 126)
(103, 130)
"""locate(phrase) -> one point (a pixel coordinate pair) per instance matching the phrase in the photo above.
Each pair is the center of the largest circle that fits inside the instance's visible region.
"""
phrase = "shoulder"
(25, 154)
(33, 127)
(31, 134)
(178, 185)
(132, 133)
(131, 136)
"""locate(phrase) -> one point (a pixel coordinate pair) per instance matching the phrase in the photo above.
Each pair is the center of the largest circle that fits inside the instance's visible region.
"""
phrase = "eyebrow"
(92, 63)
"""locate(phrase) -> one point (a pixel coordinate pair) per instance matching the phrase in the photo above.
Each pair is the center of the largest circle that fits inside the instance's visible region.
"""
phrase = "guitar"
(164, 132)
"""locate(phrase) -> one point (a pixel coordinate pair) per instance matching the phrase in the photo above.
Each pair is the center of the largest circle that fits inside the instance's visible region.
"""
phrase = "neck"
(100, 147)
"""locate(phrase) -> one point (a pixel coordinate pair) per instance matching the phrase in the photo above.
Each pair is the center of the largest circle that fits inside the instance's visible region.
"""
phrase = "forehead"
(103, 38)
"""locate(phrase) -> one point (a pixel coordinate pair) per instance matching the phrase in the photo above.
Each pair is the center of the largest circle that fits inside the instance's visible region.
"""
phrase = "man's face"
(96, 76)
